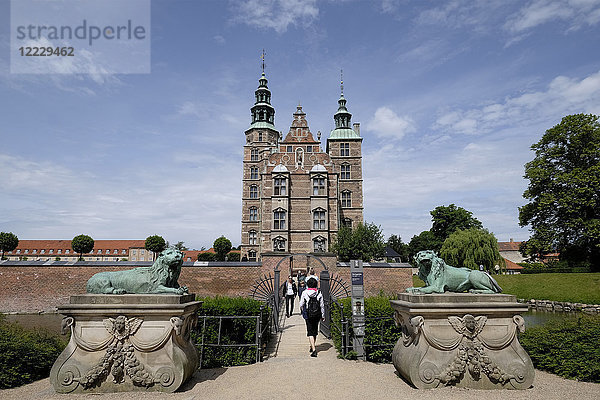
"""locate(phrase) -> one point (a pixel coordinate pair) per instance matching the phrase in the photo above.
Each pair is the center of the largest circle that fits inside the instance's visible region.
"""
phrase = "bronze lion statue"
(161, 277)
(440, 277)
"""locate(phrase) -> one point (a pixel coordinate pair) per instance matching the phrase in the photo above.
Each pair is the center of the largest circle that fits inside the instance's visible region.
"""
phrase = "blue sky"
(450, 96)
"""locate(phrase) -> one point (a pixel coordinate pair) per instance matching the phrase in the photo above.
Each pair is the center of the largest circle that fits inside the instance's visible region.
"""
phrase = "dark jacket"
(294, 288)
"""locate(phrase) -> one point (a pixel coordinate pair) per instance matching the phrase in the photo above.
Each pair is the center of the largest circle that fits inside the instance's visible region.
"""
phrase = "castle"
(295, 196)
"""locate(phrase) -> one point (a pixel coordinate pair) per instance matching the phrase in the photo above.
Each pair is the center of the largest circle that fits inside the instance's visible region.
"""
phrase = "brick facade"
(295, 196)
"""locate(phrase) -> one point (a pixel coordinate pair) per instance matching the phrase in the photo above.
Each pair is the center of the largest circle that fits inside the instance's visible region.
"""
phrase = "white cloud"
(48, 200)
(387, 124)
(276, 14)
(575, 12)
(563, 96)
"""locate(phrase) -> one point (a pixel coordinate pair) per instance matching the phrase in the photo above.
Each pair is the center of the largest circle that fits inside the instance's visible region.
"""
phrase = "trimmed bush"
(568, 348)
(26, 355)
(233, 331)
(381, 333)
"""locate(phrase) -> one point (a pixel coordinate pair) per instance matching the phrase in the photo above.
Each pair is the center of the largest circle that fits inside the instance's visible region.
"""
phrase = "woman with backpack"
(313, 310)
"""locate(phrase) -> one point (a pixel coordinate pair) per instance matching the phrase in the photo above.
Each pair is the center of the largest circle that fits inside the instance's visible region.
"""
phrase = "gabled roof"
(508, 246)
(511, 265)
(391, 253)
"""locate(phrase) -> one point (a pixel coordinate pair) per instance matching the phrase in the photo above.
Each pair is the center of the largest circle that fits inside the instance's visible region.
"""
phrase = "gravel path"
(293, 374)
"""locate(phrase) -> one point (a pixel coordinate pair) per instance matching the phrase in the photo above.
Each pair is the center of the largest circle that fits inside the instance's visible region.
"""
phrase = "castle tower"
(261, 141)
(344, 146)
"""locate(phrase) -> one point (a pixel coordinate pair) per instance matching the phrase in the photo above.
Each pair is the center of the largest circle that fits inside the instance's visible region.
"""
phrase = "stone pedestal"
(129, 342)
(461, 339)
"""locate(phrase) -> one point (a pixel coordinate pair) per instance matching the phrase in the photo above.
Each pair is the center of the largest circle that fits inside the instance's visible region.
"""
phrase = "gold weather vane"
(342, 80)
(262, 57)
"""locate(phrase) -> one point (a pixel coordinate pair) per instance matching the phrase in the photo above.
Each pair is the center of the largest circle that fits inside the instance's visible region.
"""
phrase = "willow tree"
(471, 248)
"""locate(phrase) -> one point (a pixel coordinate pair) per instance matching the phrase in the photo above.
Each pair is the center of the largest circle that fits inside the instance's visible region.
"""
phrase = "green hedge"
(233, 331)
(569, 348)
(554, 267)
(381, 333)
(26, 355)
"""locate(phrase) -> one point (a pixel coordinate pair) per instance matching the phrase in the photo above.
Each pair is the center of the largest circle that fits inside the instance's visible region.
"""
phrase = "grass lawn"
(577, 288)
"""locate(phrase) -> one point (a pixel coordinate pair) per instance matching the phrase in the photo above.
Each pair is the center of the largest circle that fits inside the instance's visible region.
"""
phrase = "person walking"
(313, 311)
(301, 288)
(290, 291)
(311, 274)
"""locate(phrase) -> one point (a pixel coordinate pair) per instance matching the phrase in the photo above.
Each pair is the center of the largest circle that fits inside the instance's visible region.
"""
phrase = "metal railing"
(345, 331)
(259, 338)
(343, 328)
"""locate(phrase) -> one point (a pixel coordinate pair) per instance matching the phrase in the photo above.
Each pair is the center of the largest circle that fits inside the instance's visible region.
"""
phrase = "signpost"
(358, 307)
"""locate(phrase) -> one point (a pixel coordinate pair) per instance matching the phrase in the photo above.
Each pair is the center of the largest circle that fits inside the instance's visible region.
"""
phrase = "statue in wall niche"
(161, 277)
(440, 277)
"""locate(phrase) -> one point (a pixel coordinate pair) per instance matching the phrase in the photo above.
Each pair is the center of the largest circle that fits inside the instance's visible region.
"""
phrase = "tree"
(447, 220)
(180, 246)
(222, 246)
(155, 244)
(564, 192)
(8, 242)
(233, 256)
(471, 248)
(395, 242)
(82, 244)
(207, 256)
(365, 242)
(423, 241)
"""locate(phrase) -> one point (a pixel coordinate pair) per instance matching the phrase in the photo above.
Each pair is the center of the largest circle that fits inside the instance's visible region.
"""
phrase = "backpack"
(314, 307)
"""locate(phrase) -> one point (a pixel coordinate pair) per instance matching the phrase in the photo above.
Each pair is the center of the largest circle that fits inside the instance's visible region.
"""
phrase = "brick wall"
(42, 288)
(33, 288)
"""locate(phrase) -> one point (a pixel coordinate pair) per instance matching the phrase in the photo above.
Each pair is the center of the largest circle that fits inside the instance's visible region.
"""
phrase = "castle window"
(279, 186)
(345, 171)
(344, 149)
(319, 219)
(252, 255)
(253, 214)
(279, 219)
(254, 192)
(347, 222)
(254, 155)
(289, 149)
(254, 173)
(260, 137)
(318, 186)
(346, 198)
(252, 237)
(319, 245)
(309, 149)
(279, 244)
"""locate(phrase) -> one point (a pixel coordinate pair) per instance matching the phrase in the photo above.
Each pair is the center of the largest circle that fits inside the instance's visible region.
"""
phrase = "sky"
(450, 96)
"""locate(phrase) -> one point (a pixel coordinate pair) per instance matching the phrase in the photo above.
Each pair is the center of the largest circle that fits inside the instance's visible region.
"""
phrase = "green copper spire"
(343, 118)
(263, 113)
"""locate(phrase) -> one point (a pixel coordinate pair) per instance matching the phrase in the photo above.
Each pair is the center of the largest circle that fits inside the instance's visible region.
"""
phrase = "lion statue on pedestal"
(440, 277)
(161, 277)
